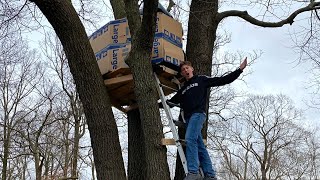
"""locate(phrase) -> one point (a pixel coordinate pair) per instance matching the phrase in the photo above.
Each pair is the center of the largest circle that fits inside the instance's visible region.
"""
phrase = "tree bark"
(202, 27)
(89, 83)
(136, 147)
(118, 8)
(6, 146)
(156, 166)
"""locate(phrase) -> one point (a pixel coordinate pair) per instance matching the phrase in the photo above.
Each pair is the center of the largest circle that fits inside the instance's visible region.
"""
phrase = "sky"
(277, 70)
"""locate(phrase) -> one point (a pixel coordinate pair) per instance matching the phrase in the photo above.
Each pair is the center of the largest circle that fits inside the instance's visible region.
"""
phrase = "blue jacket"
(193, 95)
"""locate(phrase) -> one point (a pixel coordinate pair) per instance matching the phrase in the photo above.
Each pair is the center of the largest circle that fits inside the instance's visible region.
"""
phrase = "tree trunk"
(136, 147)
(89, 83)
(156, 167)
(202, 27)
(6, 145)
(118, 8)
(75, 151)
(66, 153)
(36, 156)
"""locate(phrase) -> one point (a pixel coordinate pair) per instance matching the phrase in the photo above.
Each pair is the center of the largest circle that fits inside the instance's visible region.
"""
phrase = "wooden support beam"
(165, 142)
(118, 80)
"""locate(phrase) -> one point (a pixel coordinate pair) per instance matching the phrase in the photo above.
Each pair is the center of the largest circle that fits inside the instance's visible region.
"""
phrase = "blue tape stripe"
(170, 38)
(103, 52)
(104, 28)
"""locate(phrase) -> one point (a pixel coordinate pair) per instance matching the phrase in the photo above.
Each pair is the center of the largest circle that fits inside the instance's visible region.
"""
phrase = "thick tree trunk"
(118, 8)
(156, 167)
(136, 147)
(89, 83)
(202, 27)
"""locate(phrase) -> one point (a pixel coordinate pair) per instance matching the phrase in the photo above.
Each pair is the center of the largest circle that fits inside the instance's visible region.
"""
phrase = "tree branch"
(171, 4)
(289, 20)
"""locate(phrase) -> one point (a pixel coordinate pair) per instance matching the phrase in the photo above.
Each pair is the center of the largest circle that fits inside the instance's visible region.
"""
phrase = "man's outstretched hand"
(243, 64)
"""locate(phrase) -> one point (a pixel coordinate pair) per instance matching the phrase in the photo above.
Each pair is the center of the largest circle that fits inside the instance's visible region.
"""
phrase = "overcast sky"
(276, 71)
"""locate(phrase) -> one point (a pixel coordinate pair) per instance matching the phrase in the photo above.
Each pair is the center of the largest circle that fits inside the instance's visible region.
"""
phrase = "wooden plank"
(118, 80)
(167, 72)
(165, 142)
(117, 73)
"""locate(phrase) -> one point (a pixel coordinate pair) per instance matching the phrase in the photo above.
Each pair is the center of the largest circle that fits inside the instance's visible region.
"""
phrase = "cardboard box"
(169, 28)
(113, 57)
(117, 32)
(111, 44)
(114, 32)
(166, 52)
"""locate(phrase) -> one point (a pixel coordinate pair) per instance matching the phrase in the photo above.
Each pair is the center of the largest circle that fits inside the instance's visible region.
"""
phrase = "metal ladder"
(171, 123)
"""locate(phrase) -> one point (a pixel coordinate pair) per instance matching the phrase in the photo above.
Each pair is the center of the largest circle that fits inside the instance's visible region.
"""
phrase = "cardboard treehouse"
(112, 44)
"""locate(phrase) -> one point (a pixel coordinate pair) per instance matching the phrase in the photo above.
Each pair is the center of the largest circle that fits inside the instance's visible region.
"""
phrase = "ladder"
(171, 123)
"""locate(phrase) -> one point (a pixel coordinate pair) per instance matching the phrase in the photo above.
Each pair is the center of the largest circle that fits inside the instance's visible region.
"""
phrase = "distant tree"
(73, 118)
(264, 141)
(19, 74)
(307, 45)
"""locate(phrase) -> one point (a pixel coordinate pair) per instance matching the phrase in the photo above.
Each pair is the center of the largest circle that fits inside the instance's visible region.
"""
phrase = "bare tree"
(307, 45)
(20, 73)
(203, 23)
(74, 116)
(89, 83)
(263, 140)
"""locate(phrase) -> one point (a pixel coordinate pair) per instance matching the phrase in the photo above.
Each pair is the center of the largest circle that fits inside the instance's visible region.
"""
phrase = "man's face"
(187, 71)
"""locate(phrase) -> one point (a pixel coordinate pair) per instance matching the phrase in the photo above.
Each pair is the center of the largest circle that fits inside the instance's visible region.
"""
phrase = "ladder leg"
(172, 125)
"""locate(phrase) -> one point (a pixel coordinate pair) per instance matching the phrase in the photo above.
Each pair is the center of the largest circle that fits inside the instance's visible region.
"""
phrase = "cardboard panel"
(111, 43)
(164, 51)
(114, 32)
(168, 26)
(112, 58)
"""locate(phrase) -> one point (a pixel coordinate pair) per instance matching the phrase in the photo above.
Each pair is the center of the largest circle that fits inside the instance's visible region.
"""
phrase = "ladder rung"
(168, 87)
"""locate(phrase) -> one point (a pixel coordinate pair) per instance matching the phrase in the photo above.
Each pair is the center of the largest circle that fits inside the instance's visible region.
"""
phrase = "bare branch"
(171, 4)
(244, 15)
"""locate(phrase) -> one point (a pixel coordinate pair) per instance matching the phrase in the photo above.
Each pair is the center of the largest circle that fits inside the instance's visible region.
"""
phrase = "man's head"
(186, 70)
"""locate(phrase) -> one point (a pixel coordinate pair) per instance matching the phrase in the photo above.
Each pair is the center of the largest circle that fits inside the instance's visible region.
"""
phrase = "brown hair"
(188, 63)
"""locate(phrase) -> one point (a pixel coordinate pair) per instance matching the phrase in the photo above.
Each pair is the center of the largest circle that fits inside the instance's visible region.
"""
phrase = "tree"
(203, 23)
(307, 45)
(264, 141)
(205, 19)
(74, 115)
(19, 74)
(90, 86)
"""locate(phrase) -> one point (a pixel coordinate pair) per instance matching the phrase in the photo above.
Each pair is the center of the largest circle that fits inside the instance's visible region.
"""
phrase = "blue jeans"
(196, 152)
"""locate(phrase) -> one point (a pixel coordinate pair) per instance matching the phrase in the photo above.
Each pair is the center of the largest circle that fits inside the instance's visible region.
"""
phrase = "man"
(192, 98)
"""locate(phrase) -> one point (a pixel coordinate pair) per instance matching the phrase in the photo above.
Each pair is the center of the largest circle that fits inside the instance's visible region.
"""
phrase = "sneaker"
(192, 176)
(209, 178)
